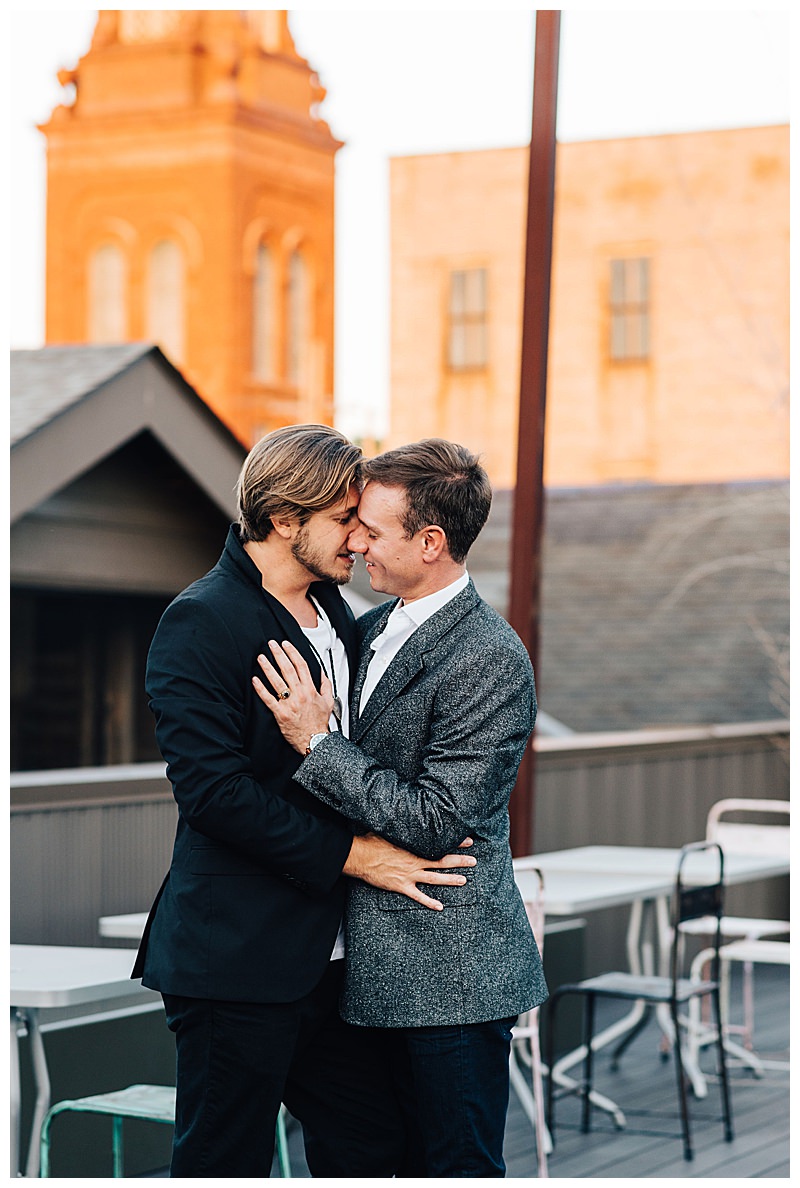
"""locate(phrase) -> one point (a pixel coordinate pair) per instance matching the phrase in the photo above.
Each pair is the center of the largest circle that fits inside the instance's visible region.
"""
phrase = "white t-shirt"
(330, 652)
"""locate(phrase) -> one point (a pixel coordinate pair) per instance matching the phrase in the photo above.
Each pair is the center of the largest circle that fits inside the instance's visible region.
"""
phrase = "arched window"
(263, 316)
(296, 318)
(108, 316)
(165, 315)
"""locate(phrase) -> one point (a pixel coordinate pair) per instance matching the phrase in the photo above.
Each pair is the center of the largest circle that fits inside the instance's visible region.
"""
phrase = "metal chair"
(154, 1103)
(525, 1045)
(688, 902)
(738, 837)
(749, 952)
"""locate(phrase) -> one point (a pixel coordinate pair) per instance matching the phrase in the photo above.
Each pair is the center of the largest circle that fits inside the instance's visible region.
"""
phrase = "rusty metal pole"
(529, 494)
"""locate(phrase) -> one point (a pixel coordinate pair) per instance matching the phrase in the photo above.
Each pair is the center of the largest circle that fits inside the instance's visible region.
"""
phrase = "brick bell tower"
(190, 203)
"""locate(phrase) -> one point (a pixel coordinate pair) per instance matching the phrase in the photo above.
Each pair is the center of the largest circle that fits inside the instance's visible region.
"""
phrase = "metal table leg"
(41, 1078)
(26, 1022)
(15, 1094)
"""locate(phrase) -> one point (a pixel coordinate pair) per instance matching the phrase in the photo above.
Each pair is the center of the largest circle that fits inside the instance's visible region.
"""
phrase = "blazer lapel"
(275, 615)
(288, 627)
(277, 623)
(405, 665)
(409, 660)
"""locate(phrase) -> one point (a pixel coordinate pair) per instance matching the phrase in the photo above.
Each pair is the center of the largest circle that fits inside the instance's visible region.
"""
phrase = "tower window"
(165, 299)
(630, 309)
(296, 318)
(467, 336)
(263, 320)
(108, 320)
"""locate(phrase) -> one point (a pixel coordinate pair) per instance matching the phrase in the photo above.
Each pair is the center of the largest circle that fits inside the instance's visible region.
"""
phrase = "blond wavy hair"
(293, 472)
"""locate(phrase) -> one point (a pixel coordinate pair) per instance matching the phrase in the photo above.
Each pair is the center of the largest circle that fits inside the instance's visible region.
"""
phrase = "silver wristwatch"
(316, 738)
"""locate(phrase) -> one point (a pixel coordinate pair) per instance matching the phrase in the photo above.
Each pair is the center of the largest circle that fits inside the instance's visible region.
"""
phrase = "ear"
(434, 543)
(285, 527)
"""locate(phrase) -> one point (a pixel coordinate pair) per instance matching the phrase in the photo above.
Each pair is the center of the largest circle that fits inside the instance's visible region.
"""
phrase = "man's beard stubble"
(304, 552)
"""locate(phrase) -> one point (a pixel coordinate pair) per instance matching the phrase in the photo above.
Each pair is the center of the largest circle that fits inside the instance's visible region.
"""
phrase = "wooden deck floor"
(644, 1081)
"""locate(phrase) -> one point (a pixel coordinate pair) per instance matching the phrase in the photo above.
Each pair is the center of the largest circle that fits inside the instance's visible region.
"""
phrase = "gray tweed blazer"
(433, 760)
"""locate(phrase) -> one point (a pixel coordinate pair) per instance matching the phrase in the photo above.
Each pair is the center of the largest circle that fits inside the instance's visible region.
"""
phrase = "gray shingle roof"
(660, 605)
(44, 383)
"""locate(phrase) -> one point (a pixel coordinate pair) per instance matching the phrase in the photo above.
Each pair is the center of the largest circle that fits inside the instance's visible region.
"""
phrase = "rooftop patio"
(115, 825)
(644, 1081)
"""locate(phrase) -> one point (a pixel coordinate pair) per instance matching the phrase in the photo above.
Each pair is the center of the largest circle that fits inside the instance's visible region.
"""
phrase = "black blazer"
(251, 905)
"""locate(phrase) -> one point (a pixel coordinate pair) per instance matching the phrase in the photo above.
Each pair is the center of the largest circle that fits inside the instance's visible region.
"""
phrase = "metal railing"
(90, 842)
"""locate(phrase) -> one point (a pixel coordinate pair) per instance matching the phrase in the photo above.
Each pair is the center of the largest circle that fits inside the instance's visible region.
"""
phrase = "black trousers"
(457, 1079)
(237, 1061)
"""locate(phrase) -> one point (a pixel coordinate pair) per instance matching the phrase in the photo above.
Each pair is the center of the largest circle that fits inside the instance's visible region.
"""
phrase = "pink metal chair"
(526, 1058)
(739, 837)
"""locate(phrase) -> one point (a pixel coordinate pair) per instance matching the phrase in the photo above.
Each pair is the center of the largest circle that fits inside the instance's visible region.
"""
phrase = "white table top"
(64, 975)
(573, 892)
(130, 926)
(658, 861)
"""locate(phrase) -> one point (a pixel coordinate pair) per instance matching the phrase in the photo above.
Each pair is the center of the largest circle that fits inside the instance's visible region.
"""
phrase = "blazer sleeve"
(197, 683)
(484, 713)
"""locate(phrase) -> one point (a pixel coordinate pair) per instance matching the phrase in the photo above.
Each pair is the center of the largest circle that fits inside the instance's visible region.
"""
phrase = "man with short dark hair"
(243, 940)
(442, 708)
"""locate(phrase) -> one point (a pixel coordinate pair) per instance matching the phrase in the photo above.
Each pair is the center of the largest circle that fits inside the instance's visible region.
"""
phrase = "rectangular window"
(630, 309)
(467, 334)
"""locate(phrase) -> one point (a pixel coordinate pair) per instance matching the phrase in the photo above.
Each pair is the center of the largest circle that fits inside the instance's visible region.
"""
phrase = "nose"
(357, 540)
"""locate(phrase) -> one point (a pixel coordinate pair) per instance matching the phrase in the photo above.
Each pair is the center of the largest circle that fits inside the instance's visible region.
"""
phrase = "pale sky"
(404, 82)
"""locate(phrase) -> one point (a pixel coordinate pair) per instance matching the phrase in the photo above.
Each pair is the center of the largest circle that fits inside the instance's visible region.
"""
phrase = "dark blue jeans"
(459, 1088)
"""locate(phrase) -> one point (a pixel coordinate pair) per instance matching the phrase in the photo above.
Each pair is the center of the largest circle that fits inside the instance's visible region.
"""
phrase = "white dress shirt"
(400, 626)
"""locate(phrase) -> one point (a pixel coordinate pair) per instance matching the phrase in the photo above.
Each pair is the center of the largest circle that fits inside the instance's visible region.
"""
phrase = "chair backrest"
(534, 898)
(695, 898)
(737, 837)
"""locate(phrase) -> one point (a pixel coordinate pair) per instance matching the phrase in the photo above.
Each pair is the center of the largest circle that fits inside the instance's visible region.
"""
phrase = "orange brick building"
(190, 203)
(669, 340)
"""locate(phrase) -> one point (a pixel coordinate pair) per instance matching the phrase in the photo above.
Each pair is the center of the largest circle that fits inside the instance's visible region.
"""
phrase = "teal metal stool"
(154, 1103)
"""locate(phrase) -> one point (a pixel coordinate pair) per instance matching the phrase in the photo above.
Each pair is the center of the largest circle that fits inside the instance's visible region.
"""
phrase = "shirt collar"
(422, 608)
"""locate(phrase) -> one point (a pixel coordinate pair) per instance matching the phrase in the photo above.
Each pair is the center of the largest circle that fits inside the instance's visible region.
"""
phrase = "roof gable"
(71, 406)
(46, 382)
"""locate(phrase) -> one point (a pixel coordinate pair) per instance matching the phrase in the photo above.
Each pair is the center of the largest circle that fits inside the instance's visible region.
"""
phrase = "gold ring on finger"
(284, 694)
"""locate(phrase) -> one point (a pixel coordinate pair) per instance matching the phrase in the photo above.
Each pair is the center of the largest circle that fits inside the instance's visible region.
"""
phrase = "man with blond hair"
(244, 938)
